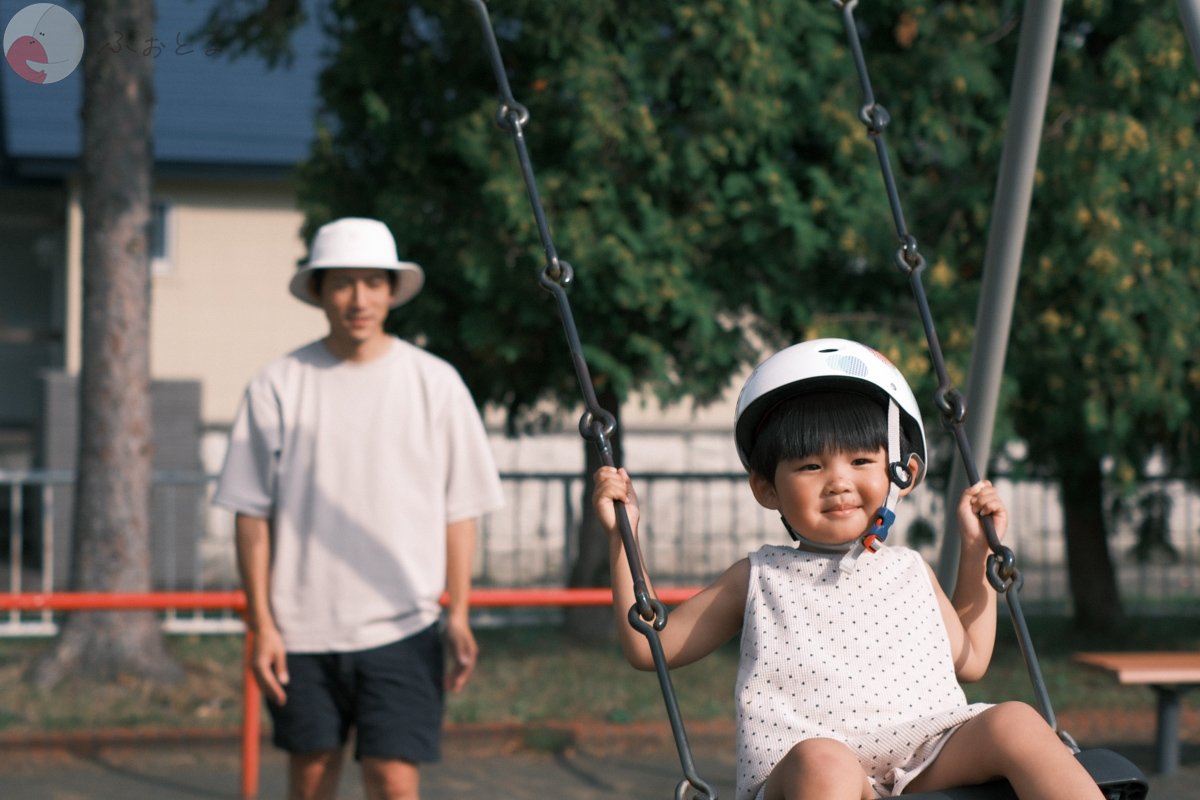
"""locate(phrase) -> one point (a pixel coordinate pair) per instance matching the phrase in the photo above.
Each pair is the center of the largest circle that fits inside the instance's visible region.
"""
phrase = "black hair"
(318, 277)
(819, 423)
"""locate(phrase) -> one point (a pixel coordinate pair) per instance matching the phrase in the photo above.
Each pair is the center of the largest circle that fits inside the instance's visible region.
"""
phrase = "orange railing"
(236, 601)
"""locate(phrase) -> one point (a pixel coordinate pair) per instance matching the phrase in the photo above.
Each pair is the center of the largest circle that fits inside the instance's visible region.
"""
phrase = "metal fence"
(693, 526)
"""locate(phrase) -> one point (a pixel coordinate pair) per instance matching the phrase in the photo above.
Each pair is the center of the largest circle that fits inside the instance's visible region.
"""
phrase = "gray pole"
(1189, 13)
(1002, 262)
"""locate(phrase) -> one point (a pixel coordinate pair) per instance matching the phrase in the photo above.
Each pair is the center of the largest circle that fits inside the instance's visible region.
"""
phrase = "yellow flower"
(1051, 320)
(1102, 258)
(941, 274)
(1135, 135)
(1108, 219)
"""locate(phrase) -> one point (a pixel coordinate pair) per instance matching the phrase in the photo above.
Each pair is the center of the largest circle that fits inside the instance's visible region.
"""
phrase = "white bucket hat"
(355, 242)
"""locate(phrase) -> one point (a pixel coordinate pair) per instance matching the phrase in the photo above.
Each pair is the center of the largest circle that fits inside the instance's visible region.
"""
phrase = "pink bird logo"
(43, 43)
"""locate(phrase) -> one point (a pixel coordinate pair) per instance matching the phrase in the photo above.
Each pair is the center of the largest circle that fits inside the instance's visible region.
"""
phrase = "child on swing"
(851, 653)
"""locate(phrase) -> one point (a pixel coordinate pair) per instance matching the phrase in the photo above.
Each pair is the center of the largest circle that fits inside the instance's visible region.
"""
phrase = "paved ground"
(530, 765)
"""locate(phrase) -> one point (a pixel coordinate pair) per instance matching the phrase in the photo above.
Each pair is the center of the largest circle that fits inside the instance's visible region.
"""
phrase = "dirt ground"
(565, 762)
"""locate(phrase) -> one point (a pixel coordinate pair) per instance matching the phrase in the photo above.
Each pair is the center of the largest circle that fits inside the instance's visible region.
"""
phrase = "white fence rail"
(694, 525)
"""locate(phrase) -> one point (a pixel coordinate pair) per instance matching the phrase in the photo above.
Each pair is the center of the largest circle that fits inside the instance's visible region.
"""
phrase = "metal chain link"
(648, 615)
(1002, 572)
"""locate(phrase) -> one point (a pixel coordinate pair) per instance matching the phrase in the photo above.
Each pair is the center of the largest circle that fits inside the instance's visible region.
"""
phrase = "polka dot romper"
(861, 657)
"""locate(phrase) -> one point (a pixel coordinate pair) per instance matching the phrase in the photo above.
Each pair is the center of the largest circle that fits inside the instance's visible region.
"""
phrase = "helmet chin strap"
(899, 478)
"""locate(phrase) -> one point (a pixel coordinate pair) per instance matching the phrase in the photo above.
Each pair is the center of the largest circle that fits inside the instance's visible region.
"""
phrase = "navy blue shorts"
(393, 697)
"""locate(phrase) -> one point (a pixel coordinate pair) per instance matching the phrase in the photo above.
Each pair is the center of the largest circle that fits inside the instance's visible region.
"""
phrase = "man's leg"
(398, 713)
(311, 726)
(314, 776)
(391, 779)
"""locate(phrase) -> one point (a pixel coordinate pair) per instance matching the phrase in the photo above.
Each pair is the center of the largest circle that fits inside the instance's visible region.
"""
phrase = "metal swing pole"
(1189, 15)
(1002, 260)
(648, 615)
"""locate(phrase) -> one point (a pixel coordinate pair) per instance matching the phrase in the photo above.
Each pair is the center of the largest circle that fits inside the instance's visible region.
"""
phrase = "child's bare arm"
(971, 615)
(614, 486)
(696, 627)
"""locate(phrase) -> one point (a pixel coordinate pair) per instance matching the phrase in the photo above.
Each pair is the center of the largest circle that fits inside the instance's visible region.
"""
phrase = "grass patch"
(209, 696)
(538, 676)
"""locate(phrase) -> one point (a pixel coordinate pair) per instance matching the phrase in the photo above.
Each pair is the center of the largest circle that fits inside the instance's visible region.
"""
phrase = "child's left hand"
(980, 500)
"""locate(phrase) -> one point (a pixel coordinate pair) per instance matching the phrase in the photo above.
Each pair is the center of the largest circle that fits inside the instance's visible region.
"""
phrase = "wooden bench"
(1170, 675)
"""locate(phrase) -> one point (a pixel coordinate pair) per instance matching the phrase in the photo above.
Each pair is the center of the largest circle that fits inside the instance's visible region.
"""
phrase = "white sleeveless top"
(861, 657)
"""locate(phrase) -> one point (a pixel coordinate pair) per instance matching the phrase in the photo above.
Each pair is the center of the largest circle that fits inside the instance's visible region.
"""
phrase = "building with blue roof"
(228, 134)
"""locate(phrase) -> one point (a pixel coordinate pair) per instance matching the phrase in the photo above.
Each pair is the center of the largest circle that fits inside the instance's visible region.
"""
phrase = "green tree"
(652, 125)
(702, 164)
(704, 167)
(1110, 299)
(1102, 372)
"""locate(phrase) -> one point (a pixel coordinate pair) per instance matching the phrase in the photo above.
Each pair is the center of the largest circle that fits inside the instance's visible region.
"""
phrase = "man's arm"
(254, 566)
(460, 555)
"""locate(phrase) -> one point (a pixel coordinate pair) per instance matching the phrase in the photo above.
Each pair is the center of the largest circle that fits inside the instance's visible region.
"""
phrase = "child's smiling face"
(829, 498)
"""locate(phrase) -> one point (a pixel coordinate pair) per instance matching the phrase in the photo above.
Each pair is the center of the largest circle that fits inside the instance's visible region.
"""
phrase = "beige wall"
(220, 307)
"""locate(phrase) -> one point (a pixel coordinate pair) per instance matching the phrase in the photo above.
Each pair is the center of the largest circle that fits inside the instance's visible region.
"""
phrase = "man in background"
(358, 467)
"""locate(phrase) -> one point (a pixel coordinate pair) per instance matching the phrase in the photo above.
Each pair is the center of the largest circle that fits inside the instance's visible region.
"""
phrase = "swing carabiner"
(596, 424)
(908, 258)
(511, 116)
(951, 403)
(687, 790)
(556, 274)
(1002, 572)
(647, 613)
(875, 117)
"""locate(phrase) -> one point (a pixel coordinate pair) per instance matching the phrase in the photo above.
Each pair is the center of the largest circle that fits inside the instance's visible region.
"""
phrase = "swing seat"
(1116, 776)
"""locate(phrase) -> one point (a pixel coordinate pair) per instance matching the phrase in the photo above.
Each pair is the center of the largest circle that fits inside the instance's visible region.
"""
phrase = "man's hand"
(270, 664)
(462, 651)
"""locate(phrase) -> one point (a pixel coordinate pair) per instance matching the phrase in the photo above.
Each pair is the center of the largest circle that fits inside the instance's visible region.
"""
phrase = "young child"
(851, 653)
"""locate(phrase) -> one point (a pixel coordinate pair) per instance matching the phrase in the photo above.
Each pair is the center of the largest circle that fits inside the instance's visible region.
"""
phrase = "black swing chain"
(648, 615)
(1002, 571)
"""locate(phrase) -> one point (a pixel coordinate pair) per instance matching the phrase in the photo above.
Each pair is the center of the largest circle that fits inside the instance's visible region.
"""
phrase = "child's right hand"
(980, 500)
(614, 485)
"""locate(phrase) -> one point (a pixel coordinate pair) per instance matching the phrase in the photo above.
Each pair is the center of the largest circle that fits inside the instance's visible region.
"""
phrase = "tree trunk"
(593, 624)
(1093, 581)
(111, 526)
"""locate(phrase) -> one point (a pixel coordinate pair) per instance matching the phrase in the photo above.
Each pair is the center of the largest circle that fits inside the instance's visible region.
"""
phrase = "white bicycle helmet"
(838, 365)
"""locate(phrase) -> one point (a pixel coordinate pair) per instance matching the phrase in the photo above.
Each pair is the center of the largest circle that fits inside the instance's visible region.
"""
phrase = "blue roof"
(210, 111)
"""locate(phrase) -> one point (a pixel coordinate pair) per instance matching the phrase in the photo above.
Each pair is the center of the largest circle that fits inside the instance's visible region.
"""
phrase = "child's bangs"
(827, 422)
(833, 423)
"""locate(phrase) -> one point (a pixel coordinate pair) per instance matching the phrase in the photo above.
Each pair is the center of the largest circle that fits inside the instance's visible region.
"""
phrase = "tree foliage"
(1111, 295)
(705, 170)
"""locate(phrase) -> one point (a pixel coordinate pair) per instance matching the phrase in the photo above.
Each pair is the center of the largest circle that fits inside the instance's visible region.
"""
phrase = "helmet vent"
(849, 365)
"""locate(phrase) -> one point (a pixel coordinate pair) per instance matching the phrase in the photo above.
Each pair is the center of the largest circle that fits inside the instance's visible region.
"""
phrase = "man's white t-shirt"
(359, 467)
